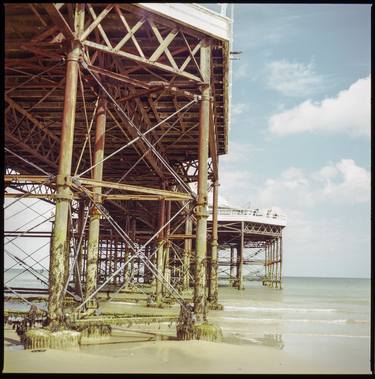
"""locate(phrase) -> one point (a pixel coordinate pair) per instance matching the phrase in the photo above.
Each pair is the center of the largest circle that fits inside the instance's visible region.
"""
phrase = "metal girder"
(59, 20)
(213, 143)
(169, 195)
(21, 110)
(19, 142)
(161, 49)
(145, 61)
(120, 77)
(152, 161)
(32, 135)
(132, 188)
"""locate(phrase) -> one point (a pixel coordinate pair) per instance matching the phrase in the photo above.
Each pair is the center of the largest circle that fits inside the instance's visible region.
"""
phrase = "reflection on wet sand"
(271, 340)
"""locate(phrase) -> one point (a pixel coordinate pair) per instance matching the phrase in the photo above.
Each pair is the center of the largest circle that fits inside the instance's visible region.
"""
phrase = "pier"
(112, 111)
(250, 237)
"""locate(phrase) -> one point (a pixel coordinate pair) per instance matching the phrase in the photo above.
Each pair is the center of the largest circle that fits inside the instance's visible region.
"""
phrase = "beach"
(300, 329)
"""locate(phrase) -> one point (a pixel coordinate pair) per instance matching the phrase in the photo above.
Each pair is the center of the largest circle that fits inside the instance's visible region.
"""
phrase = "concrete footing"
(45, 339)
(95, 330)
(215, 306)
(200, 331)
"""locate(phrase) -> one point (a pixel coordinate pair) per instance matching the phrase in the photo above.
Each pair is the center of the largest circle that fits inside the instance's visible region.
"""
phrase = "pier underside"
(112, 111)
(250, 246)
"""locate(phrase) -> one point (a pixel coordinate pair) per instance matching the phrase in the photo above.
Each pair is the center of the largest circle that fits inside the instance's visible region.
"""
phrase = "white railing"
(250, 212)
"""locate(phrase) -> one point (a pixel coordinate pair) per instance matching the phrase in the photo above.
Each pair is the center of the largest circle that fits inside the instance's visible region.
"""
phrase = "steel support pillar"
(63, 196)
(167, 246)
(264, 281)
(167, 268)
(160, 252)
(126, 252)
(273, 263)
(94, 228)
(115, 279)
(201, 208)
(213, 288)
(67, 254)
(154, 262)
(281, 258)
(232, 266)
(133, 231)
(240, 254)
(78, 268)
(277, 262)
(187, 253)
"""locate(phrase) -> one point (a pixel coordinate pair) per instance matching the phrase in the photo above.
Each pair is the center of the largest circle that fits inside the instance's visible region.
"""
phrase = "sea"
(326, 319)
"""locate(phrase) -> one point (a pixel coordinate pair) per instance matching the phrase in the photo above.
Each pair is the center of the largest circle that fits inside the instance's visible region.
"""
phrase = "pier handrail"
(250, 212)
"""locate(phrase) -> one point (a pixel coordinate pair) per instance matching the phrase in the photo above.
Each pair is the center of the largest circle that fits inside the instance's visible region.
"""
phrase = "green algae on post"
(207, 331)
(215, 306)
(95, 330)
(45, 339)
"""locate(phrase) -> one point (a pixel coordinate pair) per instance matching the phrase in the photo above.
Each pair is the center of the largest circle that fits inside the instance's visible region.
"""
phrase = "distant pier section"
(250, 245)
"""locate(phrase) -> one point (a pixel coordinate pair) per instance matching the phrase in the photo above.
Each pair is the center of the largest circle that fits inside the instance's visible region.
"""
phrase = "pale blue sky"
(296, 142)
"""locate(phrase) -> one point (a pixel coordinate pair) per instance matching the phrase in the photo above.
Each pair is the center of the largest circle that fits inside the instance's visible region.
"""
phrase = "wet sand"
(130, 352)
(265, 332)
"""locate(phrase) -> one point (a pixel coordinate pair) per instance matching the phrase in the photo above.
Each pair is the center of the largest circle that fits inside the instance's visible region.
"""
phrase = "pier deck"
(254, 239)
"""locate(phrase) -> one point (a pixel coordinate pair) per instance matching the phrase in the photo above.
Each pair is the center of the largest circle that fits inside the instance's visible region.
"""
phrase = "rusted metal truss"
(66, 65)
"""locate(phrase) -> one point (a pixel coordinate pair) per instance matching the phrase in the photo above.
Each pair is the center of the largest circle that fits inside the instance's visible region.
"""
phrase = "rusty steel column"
(94, 228)
(133, 232)
(240, 254)
(59, 246)
(159, 257)
(153, 261)
(264, 282)
(167, 245)
(201, 208)
(281, 258)
(126, 252)
(277, 263)
(268, 263)
(187, 253)
(80, 231)
(115, 279)
(213, 288)
(67, 254)
(232, 276)
(273, 263)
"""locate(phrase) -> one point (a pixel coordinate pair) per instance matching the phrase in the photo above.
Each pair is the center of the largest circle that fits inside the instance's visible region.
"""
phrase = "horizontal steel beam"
(155, 192)
(132, 188)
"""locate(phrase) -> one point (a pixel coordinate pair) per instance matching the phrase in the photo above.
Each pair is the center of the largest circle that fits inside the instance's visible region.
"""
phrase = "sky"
(300, 132)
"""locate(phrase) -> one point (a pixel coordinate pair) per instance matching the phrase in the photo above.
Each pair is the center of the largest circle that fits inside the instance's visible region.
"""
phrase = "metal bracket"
(63, 196)
(201, 211)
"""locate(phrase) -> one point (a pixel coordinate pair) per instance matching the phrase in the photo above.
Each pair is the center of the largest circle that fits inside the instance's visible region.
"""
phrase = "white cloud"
(313, 246)
(292, 79)
(323, 225)
(318, 236)
(342, 183)
(348, 112)
(354, 186)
